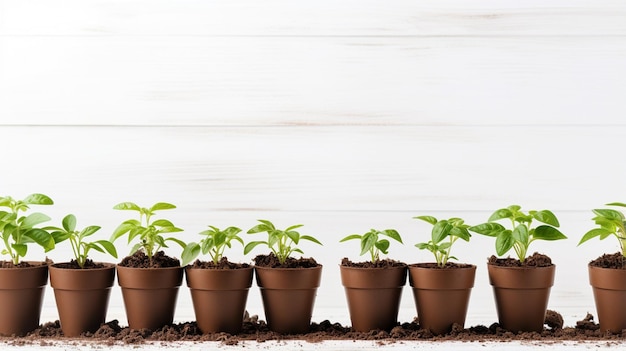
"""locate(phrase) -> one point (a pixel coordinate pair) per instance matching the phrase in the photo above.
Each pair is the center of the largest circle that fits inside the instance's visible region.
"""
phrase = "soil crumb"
(140, 260)
(73, 264)
(534, 260)
(222, 264)
(615, 261)
(448, 265)
(386, 263)
(254, 329)
(271, 261)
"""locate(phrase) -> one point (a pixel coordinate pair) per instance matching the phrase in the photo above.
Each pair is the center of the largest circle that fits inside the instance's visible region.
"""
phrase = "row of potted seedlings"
(149, 279)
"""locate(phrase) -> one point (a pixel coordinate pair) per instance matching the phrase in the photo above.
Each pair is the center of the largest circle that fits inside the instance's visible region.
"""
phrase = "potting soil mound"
(615, 261)
(222, 264)
(89, 264)
(257, 330)
(448, 265)
(140, 260)
(271, 261)
(386, 263)
(534, 260)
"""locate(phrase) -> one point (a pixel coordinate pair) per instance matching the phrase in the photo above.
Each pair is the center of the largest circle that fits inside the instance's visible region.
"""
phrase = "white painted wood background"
(341, 115)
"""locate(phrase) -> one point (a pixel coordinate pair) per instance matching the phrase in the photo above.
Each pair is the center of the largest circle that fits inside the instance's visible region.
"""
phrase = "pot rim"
(148, 269)
(319, 266)
(108, 265)
(418, 265)
(520, 268)
(39, 265)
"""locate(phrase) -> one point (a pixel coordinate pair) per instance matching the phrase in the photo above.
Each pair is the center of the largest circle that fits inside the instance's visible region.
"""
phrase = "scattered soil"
(271, 261)
(222, 264)
(448, 265)
(615, 261)
(23, 264)
(534, 260)
(386, 263)
(257, 330)
(89, 264)
(140, 260)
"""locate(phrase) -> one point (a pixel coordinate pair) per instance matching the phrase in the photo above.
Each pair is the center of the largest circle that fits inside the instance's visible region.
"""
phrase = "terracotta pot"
(521, 295)
(82, 297)
(21, 297)
(219, 297)
(609, 292)
(373, 296)
(441, 295)
(149, 295)
(288, 297)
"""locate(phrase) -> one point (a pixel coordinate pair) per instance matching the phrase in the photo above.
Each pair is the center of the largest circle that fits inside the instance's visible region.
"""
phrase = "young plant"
(282, 242)
(372, 244)
(19, 231)
(521, 234)
(80, 248)
(610, 222)
(149, 232)
(214, 244)
(452, 229)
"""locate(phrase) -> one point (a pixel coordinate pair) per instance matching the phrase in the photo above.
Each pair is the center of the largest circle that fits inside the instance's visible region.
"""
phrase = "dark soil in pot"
(288, 291)
(535, 260)
(140, 260)
(613, 261)
(219, 292)
(257, 330)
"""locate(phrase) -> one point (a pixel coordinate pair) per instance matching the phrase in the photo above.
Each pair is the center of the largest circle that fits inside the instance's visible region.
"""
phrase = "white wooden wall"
(341, 115)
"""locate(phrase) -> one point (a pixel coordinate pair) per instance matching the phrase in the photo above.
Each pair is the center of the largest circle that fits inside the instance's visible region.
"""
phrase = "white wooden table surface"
(341, 115)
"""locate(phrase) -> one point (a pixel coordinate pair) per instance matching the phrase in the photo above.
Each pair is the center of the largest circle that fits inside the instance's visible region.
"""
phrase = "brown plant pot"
(21, 298)
(521, 295)
(149, 295)
(609, 292)
(373, 296)
(288, 297)
(219, 297)
(82, 297)
(441, 295)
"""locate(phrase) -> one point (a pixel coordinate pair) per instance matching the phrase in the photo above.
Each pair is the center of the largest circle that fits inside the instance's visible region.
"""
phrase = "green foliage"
(80, 247)
(147, 231)
(214, 244)
(610, 222)
(371, 243)
(19, 231)
(282, 242)
(451, 229)
(521, 234)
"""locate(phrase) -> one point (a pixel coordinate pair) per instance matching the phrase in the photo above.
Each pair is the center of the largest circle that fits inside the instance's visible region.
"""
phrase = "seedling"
(453, 229)
(19, 231)
(522, 233)
(610, 222)
(214, 244)
(283, 243)
(80, 248)
(372, 244)
(148, 231)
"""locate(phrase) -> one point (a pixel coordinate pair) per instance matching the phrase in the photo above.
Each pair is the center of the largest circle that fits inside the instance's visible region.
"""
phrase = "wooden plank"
(319, 18)
(197, 81)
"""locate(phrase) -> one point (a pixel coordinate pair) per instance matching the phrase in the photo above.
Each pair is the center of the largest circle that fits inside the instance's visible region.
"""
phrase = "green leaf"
(489, 229)
(135, 248)
(546, 217)
(514, 208)
(121, 230)
(69, 223)
(20, 249)
(460, 232)
(609, 214)
(382, 245)
(351, 237)
(368, 241)
(520, 233)
(171, 229)
(504, 242)
(593, 233)
(38, 199)
(161, 206)
(617, 204)
(191, 251)
(89, 231)
(108, 246)
(260, 228)
(440, 231)
(41, 237)
(294, 236)
(177, 241)
(294, 227)
(500, 214)
(127, 206)
(423, 246)
(163, 223)
(33, 219)
(251, 245)
(545, 232)
(430, 219)
(392, 233)
(310, 238)
(59, 236)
